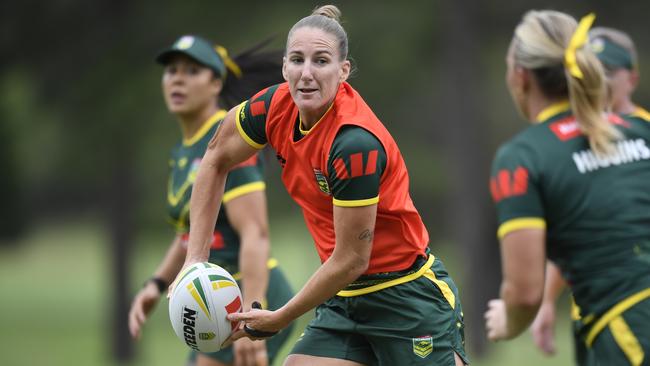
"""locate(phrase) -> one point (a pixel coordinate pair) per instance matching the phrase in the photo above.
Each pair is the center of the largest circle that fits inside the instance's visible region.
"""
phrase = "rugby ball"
(204, 295)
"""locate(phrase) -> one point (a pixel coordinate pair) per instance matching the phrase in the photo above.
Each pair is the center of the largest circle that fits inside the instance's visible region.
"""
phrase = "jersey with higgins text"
(595, 209)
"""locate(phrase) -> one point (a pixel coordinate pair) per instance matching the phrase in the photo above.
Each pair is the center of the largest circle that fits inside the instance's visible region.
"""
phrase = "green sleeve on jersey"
(356, 162)
(251, 117)
(514, 185)
(245, 178)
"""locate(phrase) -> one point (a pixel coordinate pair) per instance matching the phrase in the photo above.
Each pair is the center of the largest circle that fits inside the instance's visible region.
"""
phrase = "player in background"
(380, 297)
(617, 52)
(198, 81)
(573, 187)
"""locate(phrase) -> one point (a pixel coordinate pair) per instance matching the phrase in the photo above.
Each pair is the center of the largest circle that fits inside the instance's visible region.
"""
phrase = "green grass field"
(56, 306)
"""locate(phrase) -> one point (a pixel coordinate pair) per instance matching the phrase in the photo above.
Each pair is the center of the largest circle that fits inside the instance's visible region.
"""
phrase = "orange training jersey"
(400, 235)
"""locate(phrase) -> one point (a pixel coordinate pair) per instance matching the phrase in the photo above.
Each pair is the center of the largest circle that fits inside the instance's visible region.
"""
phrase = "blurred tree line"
(85, 131)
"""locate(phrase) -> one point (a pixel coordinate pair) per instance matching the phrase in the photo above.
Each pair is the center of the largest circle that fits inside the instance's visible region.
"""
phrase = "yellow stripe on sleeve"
(355, 203)
(242, 190)
(242, 133)
(520, 223)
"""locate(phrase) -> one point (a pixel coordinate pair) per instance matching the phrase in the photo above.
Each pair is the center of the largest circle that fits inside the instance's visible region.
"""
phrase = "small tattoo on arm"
(366, 235)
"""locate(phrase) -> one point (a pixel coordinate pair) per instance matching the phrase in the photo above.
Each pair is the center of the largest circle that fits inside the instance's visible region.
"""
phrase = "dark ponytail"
(249, 72)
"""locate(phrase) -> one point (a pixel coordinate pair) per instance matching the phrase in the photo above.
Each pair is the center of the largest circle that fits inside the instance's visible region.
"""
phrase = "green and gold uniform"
(224, 250)
(405, 309)
(582, 355)
(596, 213)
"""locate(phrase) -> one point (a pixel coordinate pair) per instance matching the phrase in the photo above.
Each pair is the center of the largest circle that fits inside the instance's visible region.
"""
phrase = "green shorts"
(277, 294)
(626, 338)
(419, 322)
(582, 354)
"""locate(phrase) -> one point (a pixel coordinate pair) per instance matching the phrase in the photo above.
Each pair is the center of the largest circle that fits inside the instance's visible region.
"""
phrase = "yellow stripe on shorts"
(626, 339)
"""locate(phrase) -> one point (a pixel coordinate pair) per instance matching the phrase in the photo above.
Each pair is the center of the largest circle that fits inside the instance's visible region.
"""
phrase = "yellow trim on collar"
(355, 203)
(242, 190)
(520, 223)
(306, 132)
(207, 125)
(242, 133)
(270, 264)
(615, 311)
(641, 113)
(552, 110)
(391, 283)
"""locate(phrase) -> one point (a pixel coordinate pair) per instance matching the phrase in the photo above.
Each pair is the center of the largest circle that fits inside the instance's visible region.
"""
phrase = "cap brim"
(164, 56)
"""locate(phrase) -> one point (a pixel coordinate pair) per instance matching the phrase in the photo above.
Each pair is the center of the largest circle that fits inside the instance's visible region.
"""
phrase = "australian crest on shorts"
(422, 346)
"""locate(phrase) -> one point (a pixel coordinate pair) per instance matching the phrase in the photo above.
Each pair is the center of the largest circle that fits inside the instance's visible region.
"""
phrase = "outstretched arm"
(247, 215)
(522, 288)
(354, 228)
(226, 149)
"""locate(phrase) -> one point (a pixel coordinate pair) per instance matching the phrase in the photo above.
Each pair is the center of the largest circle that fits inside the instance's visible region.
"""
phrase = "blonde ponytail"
(545, 44)
(588, 100)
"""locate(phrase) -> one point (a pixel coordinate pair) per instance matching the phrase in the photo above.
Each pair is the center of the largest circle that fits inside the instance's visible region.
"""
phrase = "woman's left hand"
(260, 320)
(496, 321)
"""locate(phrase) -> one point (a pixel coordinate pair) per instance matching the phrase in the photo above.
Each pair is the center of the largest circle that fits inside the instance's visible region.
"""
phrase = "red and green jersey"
(595, 209)
(346, 159)
(184, 164)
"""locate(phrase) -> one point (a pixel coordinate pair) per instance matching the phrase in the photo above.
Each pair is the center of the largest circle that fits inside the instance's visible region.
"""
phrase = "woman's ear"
(217, 85)
(345, 71)
(284, 68)
(522, 79)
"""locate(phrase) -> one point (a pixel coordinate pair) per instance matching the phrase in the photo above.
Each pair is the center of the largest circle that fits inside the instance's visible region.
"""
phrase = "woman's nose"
(306, 72)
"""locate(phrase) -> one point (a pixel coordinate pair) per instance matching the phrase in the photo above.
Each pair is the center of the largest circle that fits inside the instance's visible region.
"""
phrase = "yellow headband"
(230, 63)
(578, 40)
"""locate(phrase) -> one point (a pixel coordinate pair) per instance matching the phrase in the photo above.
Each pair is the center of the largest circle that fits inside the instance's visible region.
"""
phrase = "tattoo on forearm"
(366, 235)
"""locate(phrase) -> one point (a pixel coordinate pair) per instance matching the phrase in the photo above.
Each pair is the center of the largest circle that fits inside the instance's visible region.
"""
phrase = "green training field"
(56, 289)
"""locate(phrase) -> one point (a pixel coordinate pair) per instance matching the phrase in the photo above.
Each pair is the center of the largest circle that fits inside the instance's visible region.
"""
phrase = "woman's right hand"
(543, 328)
(143, 303)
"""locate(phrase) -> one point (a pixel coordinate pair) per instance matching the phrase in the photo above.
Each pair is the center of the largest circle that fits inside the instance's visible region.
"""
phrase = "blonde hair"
(326, 18)
(539, 44)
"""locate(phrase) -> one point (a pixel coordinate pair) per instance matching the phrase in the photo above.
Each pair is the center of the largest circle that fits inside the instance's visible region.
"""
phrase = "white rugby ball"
(203, 296)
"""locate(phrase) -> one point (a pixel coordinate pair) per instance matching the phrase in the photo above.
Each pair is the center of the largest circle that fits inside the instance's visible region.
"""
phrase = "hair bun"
(330, 11)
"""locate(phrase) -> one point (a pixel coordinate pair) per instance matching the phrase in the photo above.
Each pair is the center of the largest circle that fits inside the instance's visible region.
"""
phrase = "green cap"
(611, 54)
(198, 49)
